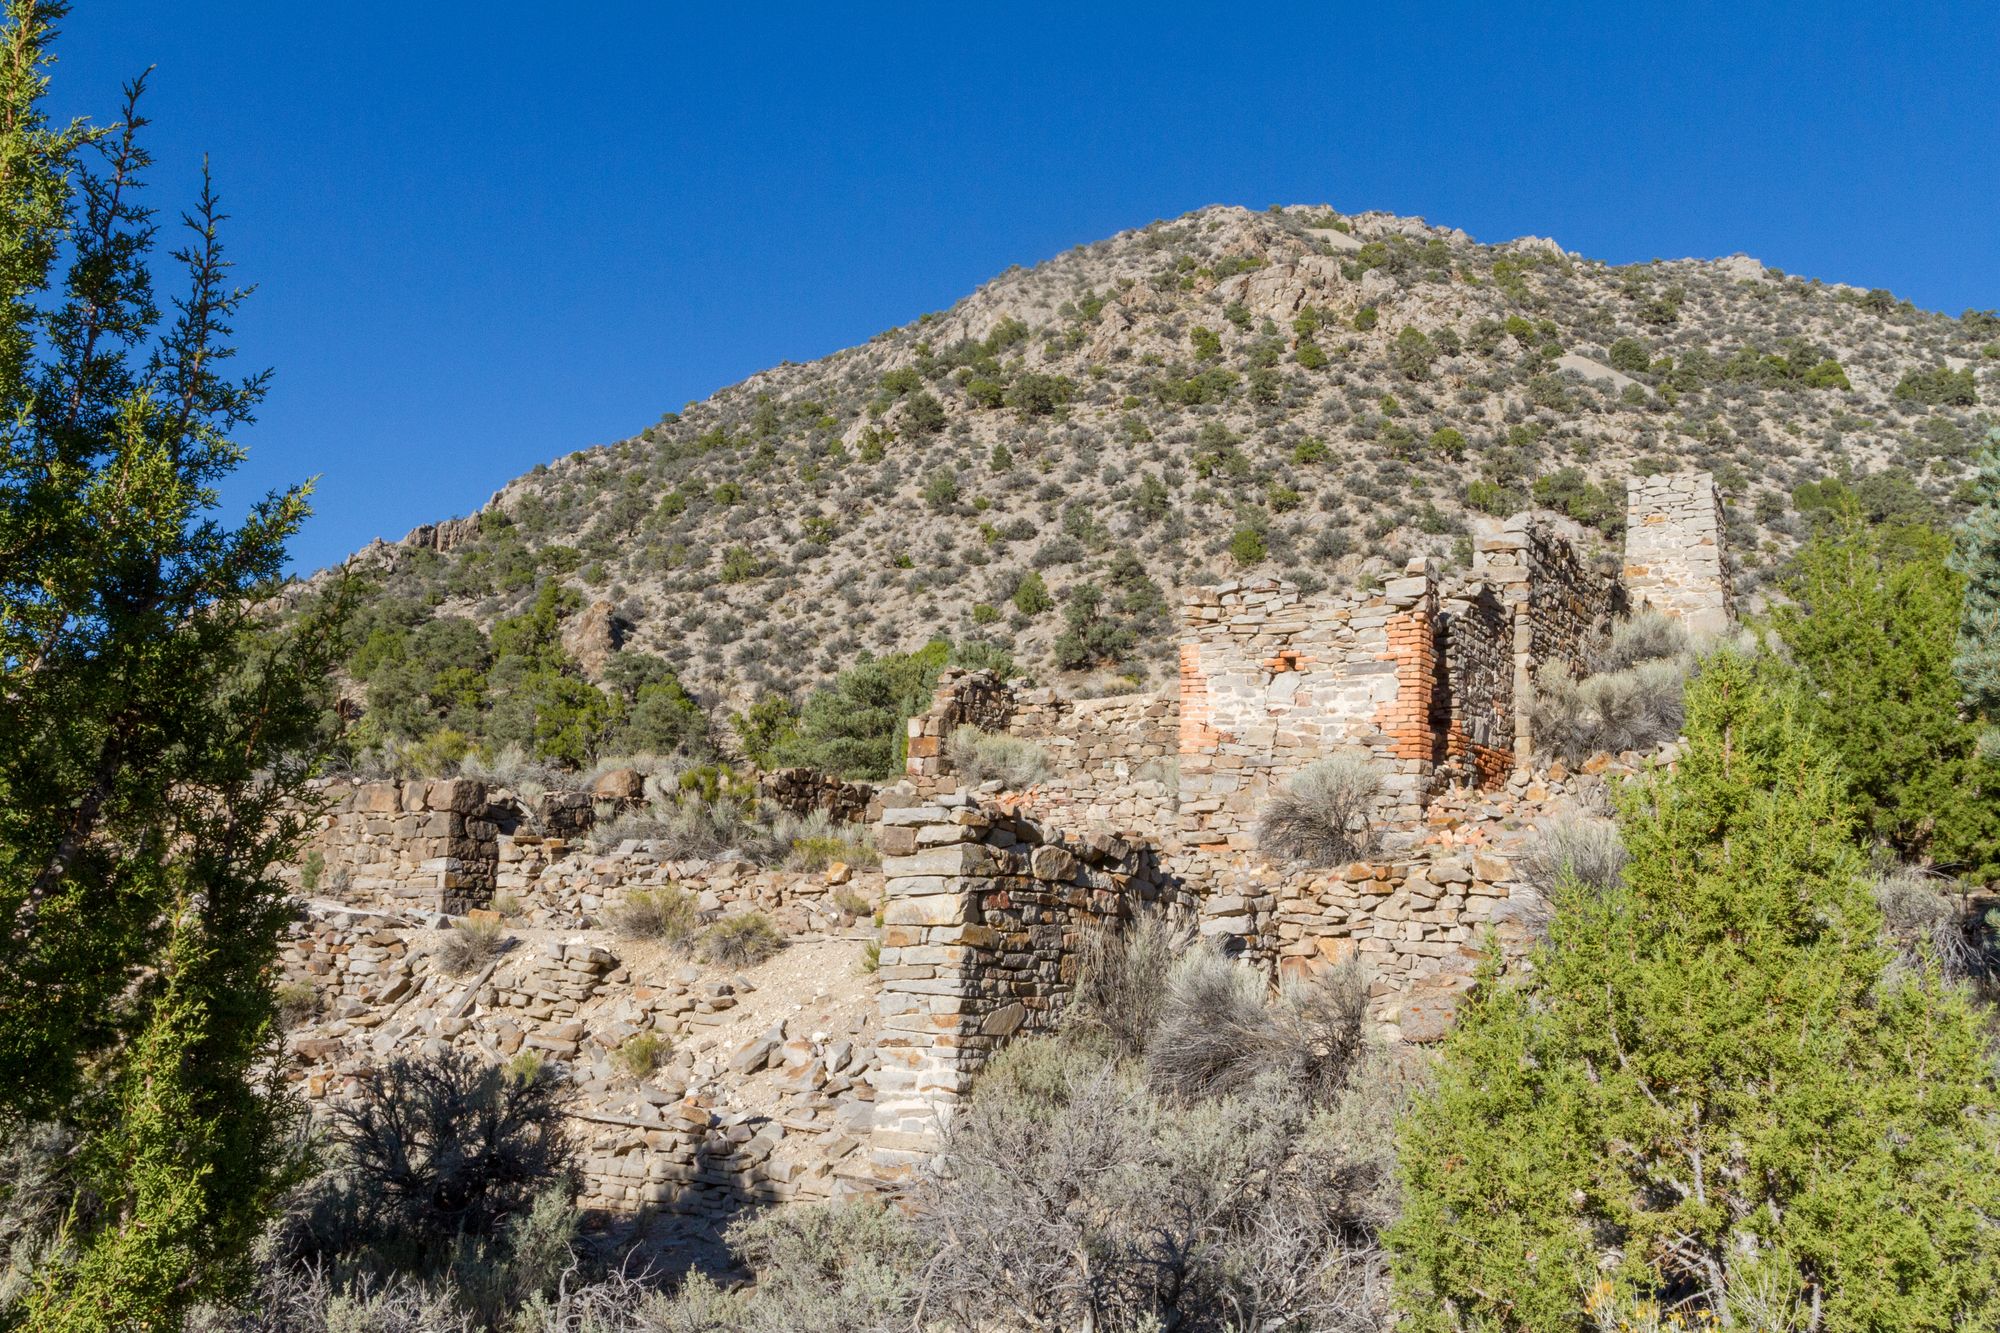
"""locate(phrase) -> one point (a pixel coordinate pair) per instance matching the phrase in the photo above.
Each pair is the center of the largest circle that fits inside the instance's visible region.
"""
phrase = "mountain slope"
(1294, 393)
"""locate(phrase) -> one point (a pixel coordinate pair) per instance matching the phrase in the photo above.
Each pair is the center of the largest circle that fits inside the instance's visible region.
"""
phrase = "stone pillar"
(1674, 559)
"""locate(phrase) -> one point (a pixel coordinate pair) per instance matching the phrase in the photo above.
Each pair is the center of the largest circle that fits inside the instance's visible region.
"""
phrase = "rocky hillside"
(1295, 392)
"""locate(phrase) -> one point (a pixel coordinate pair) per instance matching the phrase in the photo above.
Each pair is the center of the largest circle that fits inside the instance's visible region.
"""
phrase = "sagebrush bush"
(1320, 817)
(669, 914)
(1633, 709)
(1121, 987)
(816, 841)
(690, 826)
(1218, 1029)
(297, 1002)
(1648, 636)
(980, 756)
(470, 943)
(1927, 923)
(1258, 1207)
(1578, 847)
(742, 940)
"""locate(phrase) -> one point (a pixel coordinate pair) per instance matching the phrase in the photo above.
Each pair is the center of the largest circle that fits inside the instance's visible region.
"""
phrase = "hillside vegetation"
(1039, 470)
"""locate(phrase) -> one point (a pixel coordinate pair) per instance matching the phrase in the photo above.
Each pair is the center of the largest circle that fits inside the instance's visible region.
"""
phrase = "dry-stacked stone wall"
(1572, 601)
(412, 845)
(378, 993)
(807, 791)
(1674, 558)
(567, 885)
(1113, 761)
(1476, 633)
(963, 699)
(985, 916)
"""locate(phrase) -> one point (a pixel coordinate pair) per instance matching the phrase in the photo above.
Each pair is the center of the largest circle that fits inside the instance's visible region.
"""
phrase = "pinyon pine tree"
(1709, 1094)
(153, 736)
(1976, 556)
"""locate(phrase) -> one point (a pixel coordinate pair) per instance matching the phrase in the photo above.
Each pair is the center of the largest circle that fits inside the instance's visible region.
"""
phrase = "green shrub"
(450, 1147)
(1206, 344)
(854, 727)
(740, 564)
(1411, 354)
(1031, 595)
(1092, 634)
(670, 915)
(1708, 1090)
(470, 943)
(941, 490)
(1938, 387)
(923, 414)
(1873, 615)
(1247, 546)
(1449, 441)
(1629, 355)
(642, 1053)
(1366, 318)
(742, 940)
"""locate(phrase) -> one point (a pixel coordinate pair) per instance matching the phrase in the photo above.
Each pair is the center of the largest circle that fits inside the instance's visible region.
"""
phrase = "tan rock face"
(591, 637)
(620, 784)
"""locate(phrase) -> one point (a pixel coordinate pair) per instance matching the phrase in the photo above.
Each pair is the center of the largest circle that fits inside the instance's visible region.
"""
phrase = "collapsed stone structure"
(986, 900)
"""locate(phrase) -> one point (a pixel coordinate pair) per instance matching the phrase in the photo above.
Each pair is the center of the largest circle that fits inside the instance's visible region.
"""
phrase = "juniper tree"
(1711, 1092)
(152, 732)
(1976, 558)
(1871, 626)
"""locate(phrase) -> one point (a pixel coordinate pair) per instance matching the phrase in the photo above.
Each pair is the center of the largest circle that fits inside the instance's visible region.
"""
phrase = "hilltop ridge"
(1294, 392)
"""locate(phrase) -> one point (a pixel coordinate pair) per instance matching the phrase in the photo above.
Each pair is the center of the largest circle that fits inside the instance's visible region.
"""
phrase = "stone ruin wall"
(429, 846)
(454, 846)
(985, 915)
(1674, 559)
(1112, 760)
(1272, 680)
(985, 907)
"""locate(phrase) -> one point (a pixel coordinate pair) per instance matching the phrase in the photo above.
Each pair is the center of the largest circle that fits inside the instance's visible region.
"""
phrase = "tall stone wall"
(1272, 680)
(985, 916)
(1476, 637)
(1560, 607)
(1674, 559)
(413, 845)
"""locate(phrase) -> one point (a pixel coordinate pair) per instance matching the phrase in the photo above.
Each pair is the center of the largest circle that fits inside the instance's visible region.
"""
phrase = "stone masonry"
(1674, 560)
(985, 915)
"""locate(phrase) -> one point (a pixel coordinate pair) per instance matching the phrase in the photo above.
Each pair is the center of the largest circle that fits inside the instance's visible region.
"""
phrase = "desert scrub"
(470, 943)
(1577, 849)
(743, 940)
(298, 1003)
(979, 756)
(1320, 818)
(852, 903)
(670, 915)
(640, 1055)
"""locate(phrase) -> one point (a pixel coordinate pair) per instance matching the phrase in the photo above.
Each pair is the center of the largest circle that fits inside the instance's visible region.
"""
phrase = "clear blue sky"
(488, 234)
